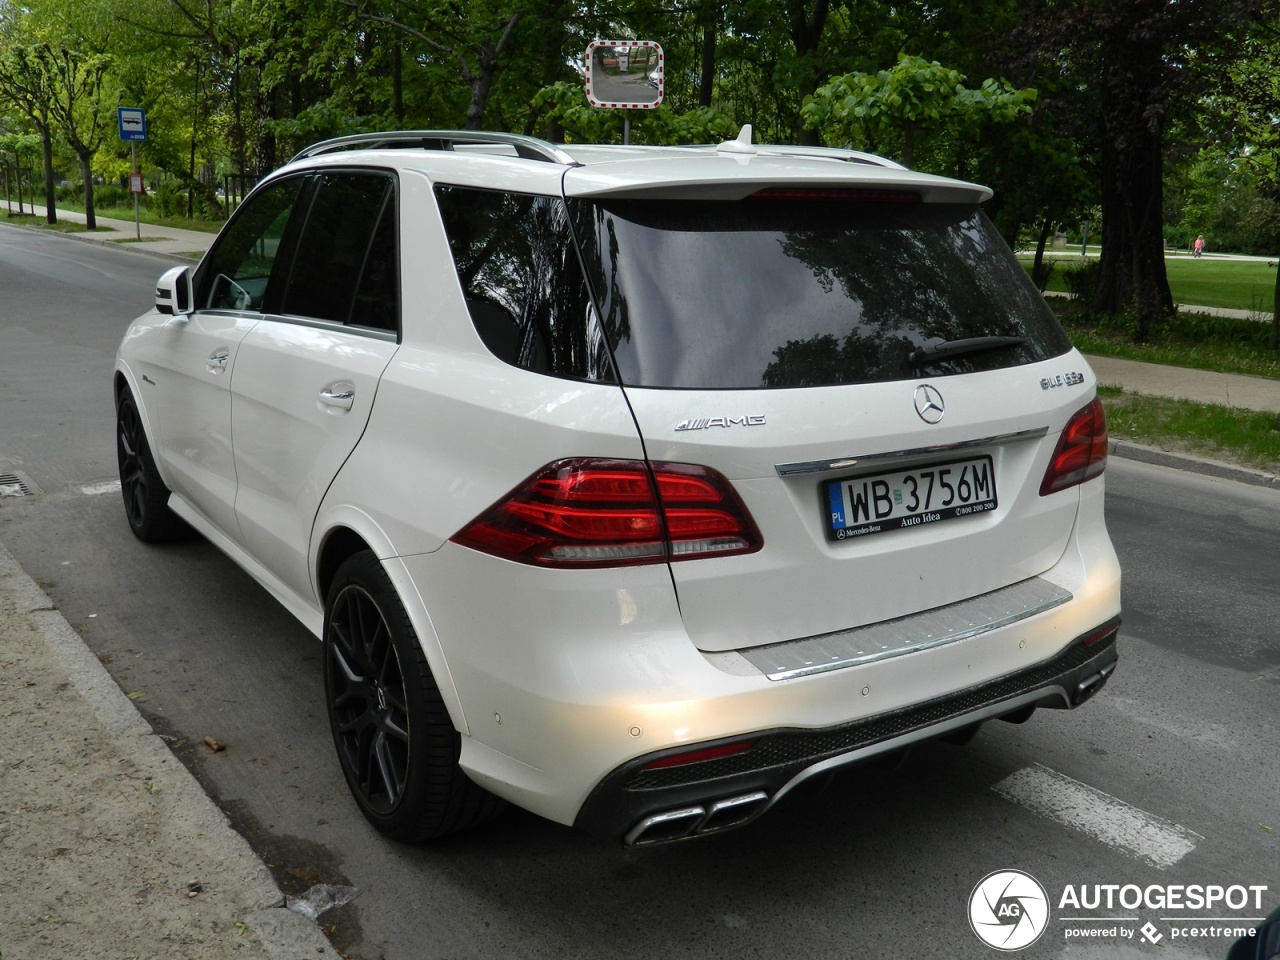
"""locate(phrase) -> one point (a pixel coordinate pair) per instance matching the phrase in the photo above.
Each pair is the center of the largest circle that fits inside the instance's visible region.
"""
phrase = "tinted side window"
(519, 270)
(346, 268)
(239, 271)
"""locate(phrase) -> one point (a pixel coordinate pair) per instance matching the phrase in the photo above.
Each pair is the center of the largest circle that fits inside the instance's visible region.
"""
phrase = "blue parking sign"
(133, 123)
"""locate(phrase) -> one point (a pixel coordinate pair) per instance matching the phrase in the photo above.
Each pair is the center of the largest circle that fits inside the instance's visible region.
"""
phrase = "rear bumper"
(645, 806)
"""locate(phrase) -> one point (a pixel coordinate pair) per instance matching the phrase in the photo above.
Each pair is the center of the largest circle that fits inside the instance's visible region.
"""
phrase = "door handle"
(340, 393)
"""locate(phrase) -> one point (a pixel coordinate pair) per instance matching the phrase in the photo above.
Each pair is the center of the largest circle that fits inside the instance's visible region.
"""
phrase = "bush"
(1082, 282)
(111, 195)
(170, 200)
(1041, 273)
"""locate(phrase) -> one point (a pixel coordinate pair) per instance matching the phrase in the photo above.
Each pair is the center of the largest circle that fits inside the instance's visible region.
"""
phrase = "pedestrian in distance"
(1198, 247)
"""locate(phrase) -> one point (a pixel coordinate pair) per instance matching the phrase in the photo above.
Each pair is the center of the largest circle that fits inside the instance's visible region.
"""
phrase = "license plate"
(901, 499)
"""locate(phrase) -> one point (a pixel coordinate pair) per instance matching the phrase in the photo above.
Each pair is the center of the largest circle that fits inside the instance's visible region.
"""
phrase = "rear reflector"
(1081, 453)
(1101, 633)
(697, 756)
(592, 513)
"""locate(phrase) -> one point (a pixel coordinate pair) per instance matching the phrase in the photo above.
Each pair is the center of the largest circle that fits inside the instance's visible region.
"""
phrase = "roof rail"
(829, 153)
(530, 148)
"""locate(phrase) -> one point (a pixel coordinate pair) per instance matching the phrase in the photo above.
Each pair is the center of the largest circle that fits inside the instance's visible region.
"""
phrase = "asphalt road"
(1167, 778)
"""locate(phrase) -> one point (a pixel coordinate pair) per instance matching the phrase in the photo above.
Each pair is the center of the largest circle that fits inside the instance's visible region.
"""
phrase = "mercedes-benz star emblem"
(929, 403)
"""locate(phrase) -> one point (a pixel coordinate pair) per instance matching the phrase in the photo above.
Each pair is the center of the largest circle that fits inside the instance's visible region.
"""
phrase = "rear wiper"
(959, 348)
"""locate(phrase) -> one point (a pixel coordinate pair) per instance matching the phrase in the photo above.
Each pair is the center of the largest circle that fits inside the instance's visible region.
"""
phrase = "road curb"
(1180, 461)
(129, 246)
(282, 934)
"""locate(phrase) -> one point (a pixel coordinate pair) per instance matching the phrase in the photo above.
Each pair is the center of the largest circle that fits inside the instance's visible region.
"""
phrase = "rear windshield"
(777, 293)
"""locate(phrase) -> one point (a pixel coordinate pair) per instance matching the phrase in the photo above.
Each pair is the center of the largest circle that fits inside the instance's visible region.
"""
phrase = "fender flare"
(361, 524)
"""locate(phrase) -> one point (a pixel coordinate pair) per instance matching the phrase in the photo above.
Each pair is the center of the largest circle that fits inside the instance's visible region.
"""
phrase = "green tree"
(476, 44)
(18, 145)
(1144, 63)
(911, 100)
(27, 84)
(1247, 96)
(79, 109)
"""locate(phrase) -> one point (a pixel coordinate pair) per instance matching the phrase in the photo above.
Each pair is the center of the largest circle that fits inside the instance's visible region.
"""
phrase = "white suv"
(631, 485)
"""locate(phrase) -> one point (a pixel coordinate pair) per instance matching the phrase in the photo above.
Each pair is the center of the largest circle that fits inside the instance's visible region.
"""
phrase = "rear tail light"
(1081, 453)
(600, 513)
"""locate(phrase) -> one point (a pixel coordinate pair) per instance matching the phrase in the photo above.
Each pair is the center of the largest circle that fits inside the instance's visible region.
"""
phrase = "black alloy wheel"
(367, 700)
(146, 498)
(395, 741)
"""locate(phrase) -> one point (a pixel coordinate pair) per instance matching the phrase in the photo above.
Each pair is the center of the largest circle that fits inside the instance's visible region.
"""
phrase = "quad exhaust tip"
(697, 820)
(1091, 685)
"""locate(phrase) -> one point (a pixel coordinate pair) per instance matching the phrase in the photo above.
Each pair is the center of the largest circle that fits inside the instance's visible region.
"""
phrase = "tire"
(146, 498)
(396, 744)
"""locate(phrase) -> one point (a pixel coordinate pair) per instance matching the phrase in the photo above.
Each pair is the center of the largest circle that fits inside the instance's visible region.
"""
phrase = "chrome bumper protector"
(802, 467)
(894, 638)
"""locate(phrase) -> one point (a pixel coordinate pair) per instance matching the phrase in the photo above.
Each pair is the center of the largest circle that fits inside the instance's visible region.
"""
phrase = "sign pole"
(133, 157)
(133, 127)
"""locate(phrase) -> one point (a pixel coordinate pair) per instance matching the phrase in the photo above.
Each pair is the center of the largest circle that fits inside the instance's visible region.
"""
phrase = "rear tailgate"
(781, 448)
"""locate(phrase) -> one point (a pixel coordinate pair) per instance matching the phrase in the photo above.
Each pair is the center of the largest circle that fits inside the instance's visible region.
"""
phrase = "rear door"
(307, 375)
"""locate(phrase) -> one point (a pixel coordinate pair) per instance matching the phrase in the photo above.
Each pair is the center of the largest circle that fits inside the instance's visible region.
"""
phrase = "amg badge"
(706, 423)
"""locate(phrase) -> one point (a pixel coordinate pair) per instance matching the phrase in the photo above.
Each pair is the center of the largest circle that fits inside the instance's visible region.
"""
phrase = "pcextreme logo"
(1008, 910)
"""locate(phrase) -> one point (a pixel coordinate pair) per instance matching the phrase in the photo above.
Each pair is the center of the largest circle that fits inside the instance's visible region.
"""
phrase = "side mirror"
(174, 293)
(624, 74)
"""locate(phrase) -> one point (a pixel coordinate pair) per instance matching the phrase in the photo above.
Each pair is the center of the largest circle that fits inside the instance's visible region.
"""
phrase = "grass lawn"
(62, 226)
(1197, 340)
(1204, 430)
(1233, 284)
(147, 215)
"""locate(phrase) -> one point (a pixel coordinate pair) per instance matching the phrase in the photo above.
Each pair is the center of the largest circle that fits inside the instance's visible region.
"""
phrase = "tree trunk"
(1275, 312)
(1132, 272)
(191, 166)
(806, 34)
(707, 85)
(1036, 265)
(46, 145)
(86, 158)
(480, 83)
(397, 84)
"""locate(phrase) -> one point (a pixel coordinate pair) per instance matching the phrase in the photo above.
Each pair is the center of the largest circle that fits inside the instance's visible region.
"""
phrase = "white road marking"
(96, 489)
(1116, 823)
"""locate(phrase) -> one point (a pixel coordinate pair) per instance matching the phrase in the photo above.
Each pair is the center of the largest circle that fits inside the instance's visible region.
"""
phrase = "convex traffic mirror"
(624, 74)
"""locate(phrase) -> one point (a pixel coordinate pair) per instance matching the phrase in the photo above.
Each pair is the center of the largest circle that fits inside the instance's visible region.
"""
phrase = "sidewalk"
(182, 246)
(1202, 386)
(110, 849)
